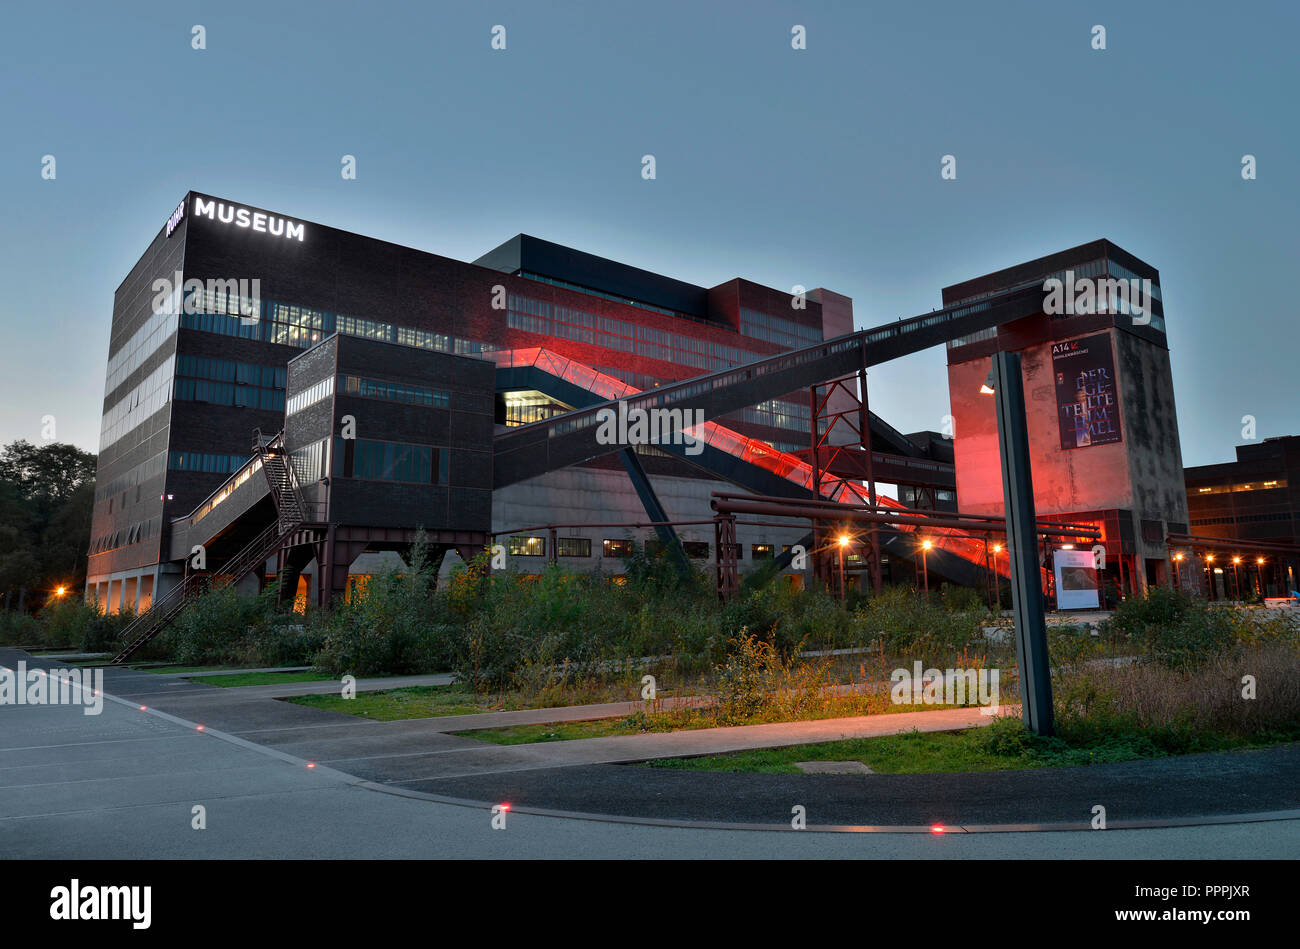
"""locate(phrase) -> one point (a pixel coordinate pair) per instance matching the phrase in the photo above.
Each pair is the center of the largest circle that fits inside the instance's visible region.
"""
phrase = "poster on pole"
(1087, 400)
(1077, 583)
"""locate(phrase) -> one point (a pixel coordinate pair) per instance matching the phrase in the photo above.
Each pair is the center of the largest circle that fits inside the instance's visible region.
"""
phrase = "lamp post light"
(1236, 576)
(1259, 576)
(997, 581)
(1176, 581)
(844, 542)
(925, 568)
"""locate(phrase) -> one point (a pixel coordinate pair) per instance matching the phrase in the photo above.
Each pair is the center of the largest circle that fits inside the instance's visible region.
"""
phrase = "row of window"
(226, 382)
(524, 408)
(131, 534)
(597, 293)
(1242, 519)
(1119, 270)
(228, 393)
(206, 462)
(304, 327)
(136, 406)
(309, 462)
(133, 478)
(521, 546)
(779, 414)
(389, 461)
(309, 396)
(226, 370)
(393, 391)
(548, 319)
(1268, 485)
(774, 329)
(1089, 270)
(144, 342)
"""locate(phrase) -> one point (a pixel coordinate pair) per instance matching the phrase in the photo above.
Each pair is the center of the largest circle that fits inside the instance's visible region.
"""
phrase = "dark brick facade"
(342, 273)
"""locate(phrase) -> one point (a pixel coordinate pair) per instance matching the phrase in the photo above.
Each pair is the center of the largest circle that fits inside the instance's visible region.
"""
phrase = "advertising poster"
(1087, 400)
(1076, 580)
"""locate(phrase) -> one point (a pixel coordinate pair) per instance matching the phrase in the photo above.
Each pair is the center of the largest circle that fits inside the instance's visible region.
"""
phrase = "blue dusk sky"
(818, 167)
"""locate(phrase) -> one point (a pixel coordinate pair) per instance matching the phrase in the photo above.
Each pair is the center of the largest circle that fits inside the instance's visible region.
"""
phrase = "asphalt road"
(126, 783)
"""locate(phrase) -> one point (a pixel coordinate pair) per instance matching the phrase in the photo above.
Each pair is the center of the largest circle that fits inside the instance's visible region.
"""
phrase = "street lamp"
(844, 542)
(997, 581)
(925, 569)
(1236, 576)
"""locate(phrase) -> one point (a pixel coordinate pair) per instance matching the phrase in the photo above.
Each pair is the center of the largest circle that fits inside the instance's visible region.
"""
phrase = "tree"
(47, 497)
(47, 474)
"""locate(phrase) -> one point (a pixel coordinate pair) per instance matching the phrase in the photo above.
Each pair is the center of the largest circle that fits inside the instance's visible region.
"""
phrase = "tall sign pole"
(1022, 545)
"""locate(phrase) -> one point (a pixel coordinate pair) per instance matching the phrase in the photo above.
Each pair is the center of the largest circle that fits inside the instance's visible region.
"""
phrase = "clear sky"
(817, 167)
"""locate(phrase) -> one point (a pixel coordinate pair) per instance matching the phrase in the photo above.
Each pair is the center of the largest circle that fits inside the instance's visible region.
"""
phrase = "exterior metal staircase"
(290, 517)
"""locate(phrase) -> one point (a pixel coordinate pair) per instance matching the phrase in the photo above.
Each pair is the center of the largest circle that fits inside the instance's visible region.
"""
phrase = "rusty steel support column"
(864, 423)
(818, 555)
(724, 538)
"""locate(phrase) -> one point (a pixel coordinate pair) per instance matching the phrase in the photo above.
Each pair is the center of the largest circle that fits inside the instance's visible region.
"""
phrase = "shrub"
(396, 624)
(904, 625)
(1007, 736)
(62, 623)
(220, 627)
(1180, 709)
(959, 599)
(20, 629)
(1070, 645)
(746, 681)
(1174, 628)
(789, 620)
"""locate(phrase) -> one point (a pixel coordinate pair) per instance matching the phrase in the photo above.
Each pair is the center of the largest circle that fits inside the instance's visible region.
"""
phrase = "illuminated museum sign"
(247, 217)
(1087, 400)
(174, 221)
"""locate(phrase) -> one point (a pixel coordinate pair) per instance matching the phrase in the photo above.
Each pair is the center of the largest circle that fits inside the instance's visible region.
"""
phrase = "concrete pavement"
(125, 784)
(131, 794)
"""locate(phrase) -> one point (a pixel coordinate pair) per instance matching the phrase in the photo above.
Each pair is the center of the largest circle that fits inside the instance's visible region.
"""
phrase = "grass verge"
(392, 705)
(993, 748)
(683, 719)
(262, 678)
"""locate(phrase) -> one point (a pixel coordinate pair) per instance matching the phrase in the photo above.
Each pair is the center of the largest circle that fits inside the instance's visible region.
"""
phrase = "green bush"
(561, 627)
(1173, 628)
(1007, 736)
(524, 629)
(1070, 645)
(20, 629)
(787, 619)
(959, 599)
(748, 678)
(395, 624)
(905, 625)
(65, 623)
(220, 627)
